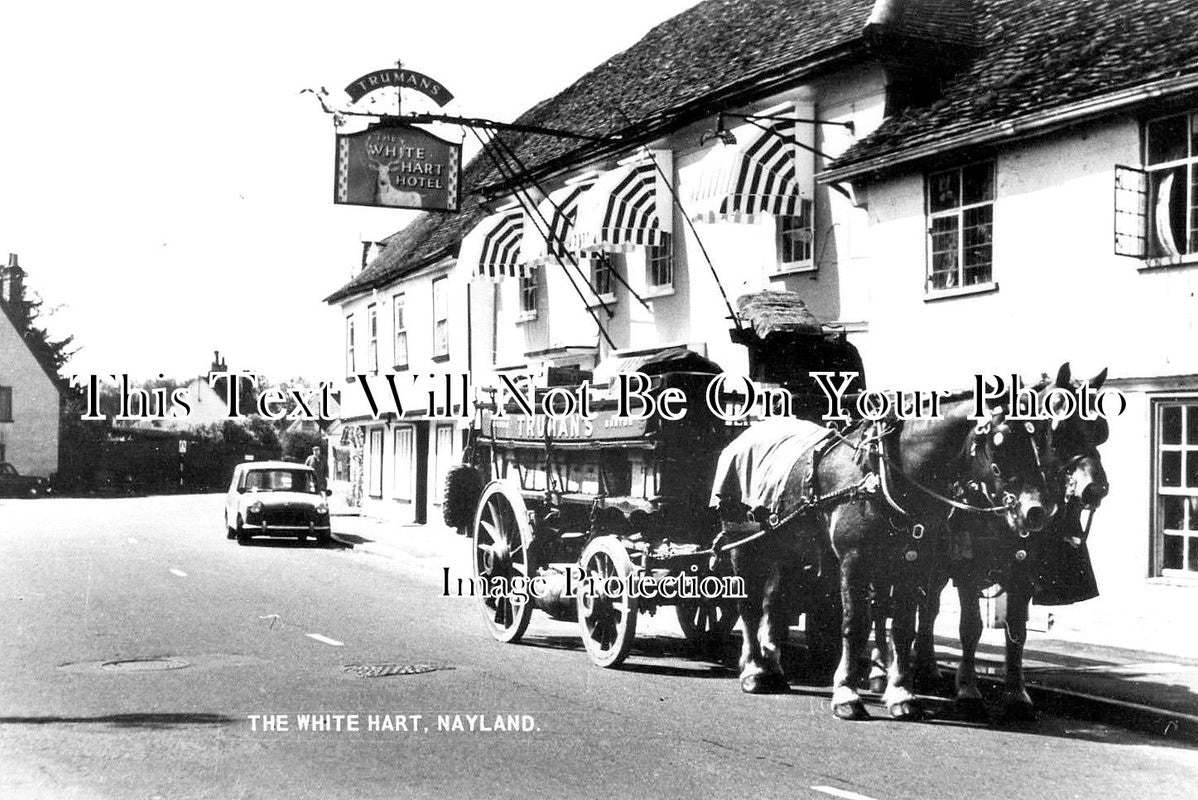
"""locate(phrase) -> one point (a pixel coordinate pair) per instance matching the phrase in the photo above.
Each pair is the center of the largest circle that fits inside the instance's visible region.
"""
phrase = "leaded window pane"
(1171, 553)
(944, 190)
(1167, 139)
(1173, 513)
(1171, 425)
(1171, 468)
(977, 183)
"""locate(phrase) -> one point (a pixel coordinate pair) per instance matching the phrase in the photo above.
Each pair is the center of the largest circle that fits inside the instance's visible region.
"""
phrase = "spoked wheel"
(608, 622)
(501, 551)
(706, 624)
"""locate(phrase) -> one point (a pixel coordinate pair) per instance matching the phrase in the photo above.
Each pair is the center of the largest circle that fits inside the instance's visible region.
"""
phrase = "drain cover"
(144, 665)
(385, 670)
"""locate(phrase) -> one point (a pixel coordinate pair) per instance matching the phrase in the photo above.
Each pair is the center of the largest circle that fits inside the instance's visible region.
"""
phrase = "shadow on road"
(292, 544)
(147, 721)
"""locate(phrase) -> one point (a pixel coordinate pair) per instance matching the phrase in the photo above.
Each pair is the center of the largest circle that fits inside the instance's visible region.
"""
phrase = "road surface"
(146, 656)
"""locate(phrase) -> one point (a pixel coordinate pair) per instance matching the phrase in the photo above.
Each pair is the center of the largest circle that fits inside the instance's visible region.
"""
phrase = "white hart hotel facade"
(956, 195)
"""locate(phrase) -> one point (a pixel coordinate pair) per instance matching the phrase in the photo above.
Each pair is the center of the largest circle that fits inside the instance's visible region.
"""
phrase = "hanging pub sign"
(397, 166)
(398, 78)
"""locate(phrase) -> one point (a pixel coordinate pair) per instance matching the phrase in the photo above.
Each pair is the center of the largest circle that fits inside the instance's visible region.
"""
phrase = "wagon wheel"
(705, 624)
(501, 551)
(608, 623)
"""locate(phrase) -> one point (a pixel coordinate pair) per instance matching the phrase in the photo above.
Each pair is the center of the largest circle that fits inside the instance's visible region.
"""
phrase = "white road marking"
(325, 639)
(832, 790)
(178, 572)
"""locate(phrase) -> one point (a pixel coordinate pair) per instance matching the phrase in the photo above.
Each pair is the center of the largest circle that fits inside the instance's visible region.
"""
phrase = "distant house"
(29, 390)
(207, 404)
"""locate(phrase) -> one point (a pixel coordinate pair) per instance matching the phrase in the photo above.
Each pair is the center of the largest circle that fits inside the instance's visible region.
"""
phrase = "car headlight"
(256, 507)
(322, 509)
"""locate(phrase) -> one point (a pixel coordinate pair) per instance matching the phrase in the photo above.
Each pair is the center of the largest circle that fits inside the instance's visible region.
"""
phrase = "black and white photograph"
(679, 399)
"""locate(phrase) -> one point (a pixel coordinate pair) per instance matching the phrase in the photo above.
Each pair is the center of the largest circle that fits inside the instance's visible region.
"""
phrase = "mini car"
(14, 484)
(276, 498)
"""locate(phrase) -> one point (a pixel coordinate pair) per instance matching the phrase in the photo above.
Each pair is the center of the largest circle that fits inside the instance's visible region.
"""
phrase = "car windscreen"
(280, 480)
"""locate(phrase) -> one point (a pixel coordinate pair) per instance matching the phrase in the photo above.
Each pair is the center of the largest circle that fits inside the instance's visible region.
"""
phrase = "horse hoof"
(1018, 711)
(764, 684)
(972, 709)
(853, 712)
(877, 685)
(907, 711)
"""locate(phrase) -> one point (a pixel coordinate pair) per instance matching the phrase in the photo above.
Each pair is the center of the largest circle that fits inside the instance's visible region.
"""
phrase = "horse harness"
(878, 479)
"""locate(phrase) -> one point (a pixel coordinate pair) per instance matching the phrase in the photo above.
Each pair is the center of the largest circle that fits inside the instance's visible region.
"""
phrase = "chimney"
(218, 363)
(12, 289)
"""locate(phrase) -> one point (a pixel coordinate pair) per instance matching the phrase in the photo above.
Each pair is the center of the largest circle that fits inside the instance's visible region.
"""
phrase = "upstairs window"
(351, 364)
(659, 264)
(5, 404)
(401, 332)
(603, 274)
(960, 227)
(796, 237)
(372, 324)
(440, 318)
(1172, 165)
(528, 291)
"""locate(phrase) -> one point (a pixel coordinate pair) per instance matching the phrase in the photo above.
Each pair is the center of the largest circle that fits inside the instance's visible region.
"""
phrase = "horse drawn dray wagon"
(598, 519)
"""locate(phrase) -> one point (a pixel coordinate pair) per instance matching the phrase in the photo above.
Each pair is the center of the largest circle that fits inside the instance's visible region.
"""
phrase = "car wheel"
(229, 532)
(243, 536)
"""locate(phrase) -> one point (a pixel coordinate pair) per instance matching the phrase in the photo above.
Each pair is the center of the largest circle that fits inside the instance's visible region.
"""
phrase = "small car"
(14, 484)
(276, 498)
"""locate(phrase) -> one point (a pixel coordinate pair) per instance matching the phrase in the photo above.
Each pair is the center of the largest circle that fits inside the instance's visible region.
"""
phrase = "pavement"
(1148, 692)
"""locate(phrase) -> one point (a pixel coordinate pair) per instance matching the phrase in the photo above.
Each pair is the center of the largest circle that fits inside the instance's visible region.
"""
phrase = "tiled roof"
(699, 56)
(1034, 56)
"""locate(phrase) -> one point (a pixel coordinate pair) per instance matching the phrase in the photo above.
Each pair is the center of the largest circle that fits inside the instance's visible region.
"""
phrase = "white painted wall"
(31, 439)
(1063, 295)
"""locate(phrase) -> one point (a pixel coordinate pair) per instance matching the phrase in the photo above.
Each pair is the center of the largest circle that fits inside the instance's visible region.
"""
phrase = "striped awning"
(757, 175)
(491, 250)
(627, 207)
(558, 211)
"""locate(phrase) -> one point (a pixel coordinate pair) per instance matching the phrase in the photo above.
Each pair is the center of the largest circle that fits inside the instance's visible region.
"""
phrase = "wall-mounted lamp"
(723, 134)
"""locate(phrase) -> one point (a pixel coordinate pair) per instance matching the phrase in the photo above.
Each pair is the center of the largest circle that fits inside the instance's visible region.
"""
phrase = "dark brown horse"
(982, 554)
(879, 498)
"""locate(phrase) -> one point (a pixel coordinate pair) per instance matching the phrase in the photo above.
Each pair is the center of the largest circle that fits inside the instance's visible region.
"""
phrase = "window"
(341, 463)
(376, 462)
(961, 227)
(443, 459)
(659, 263)
(3, 454)
(1176, 487)
(602, 274)
(401, 333)
(1172, 165)
(796, 236)
(372, 326)
(5, 404)
(440, 318)
(351, 364)
(528, 291)
(405, 459)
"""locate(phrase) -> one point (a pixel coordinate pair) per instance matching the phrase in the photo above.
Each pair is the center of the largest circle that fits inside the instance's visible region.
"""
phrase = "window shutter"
(1131, 212)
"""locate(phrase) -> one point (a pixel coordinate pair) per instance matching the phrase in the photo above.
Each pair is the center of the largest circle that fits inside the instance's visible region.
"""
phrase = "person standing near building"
(317, 462)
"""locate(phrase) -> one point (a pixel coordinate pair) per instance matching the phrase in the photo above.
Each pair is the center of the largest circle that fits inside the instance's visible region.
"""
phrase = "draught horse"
(878, 496)
(1051, 564)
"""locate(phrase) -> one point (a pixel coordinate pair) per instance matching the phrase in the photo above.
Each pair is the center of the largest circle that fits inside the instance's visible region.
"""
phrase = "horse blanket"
(755, 468)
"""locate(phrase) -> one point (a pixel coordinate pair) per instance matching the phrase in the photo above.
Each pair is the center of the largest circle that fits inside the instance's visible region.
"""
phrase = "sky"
(168, 189)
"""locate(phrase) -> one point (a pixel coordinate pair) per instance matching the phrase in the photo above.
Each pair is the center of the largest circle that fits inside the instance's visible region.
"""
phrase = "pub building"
(948, 187)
